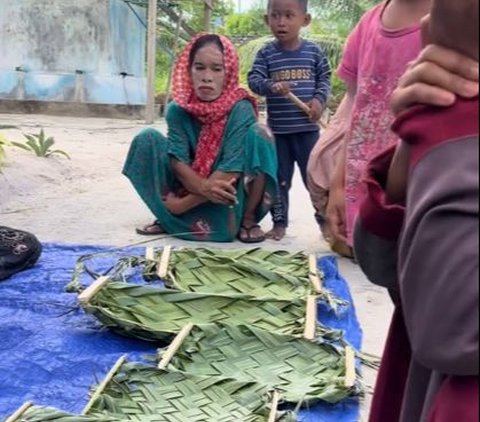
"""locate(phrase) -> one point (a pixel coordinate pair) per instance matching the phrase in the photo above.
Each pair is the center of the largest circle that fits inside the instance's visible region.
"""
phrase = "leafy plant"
(40, 145)
(3, 143)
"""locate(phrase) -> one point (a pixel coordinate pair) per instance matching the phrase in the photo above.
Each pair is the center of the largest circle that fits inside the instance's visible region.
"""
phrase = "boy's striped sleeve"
(324, 76)
(258, 78)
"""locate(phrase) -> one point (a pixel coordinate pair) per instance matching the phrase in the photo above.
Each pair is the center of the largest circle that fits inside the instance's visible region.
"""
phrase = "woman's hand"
(220, 191)
(436, 78)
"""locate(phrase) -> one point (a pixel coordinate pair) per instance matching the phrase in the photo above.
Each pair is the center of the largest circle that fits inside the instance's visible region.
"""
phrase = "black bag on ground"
(19, 250)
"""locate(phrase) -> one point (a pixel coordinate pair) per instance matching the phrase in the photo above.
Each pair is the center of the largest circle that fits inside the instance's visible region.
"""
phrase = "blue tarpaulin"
(51, 352)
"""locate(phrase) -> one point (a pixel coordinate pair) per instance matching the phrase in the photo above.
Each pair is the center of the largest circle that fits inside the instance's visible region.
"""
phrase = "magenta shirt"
(374, 60)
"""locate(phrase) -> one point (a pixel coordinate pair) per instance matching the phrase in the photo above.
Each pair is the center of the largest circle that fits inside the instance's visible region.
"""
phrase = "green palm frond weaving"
(44, 414)
(153, 313)
(302, 370)
(143, 393)
(256, 272)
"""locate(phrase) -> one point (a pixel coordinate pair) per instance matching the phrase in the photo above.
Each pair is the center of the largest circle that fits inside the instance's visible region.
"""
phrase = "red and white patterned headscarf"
(213, 115)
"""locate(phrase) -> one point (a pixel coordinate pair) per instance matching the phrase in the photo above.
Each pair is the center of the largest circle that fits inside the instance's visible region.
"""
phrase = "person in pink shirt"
(377, 54)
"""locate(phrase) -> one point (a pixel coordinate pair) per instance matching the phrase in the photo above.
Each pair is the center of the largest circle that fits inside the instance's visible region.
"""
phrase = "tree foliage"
(246, 24)
(333, 21)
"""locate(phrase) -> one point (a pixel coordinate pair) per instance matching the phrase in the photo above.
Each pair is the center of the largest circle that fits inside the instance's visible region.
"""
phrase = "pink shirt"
(374, 60)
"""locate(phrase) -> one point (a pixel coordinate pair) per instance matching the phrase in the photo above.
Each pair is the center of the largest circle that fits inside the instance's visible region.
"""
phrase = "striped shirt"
(308, 71)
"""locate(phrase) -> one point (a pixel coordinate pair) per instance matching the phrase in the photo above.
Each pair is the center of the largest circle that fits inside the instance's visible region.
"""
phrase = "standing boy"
(290, 64)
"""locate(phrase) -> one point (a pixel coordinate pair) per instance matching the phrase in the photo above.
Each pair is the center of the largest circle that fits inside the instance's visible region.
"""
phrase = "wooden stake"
(162, 271)
(313, 274)
(92, 290)
(298, 102)
(350, 373)
(19, 412)
(311, 318)
(104, 383)
(150, 253)
(175, 345)
(274, 410)
(301, 105)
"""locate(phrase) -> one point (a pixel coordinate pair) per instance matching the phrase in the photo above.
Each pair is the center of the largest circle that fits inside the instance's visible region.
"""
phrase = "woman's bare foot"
(277, 233)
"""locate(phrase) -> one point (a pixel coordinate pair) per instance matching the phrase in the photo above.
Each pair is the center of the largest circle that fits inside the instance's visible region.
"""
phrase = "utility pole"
(170, 73)
(151, 61)
(208, 15)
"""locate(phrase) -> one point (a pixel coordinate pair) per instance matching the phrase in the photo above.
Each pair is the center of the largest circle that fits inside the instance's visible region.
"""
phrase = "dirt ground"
(87, 201)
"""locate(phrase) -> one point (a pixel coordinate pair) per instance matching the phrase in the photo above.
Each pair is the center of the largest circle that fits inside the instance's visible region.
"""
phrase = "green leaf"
(22, 146)
(59, 152)
(35, 147)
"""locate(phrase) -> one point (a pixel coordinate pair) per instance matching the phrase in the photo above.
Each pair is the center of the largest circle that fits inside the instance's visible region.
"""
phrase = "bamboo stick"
(19, 412)
(311, 318)
(274, 409)
(313, 274)
(298, 102)
(302, 106)
(350, 373)
(92, 290)
(164, 262)
(175, 345)
(103, 384)
(150, 253)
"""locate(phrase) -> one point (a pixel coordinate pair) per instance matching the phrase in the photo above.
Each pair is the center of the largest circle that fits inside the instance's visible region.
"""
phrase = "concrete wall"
(84, 51)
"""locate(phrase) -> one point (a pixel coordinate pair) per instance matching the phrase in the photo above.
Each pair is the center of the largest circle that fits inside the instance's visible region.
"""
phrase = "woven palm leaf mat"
(302, 370)
(256, 272)
(141, 393)
(153, 313)
(30, 413)
(51, 351)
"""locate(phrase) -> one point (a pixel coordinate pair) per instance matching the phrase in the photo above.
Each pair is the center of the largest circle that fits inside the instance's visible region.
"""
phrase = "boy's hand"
(316, 110)
(336, 213)
(280, 88)
(435, 78)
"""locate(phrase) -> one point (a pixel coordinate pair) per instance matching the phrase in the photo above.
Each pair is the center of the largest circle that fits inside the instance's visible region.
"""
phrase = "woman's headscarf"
(213, 115)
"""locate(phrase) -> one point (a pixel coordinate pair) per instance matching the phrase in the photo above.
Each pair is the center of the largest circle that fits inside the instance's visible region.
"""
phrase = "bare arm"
(219, 188)
(336, 204)
(345, 109)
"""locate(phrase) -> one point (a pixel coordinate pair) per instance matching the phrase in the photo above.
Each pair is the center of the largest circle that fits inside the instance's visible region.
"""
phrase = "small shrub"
(40, 145)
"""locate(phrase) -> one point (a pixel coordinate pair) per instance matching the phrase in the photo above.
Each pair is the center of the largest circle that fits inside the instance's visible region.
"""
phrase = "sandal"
(246, 234)
(153, 229)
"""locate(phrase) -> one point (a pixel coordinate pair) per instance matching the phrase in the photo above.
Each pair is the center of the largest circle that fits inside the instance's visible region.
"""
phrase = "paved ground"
(87, 201)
